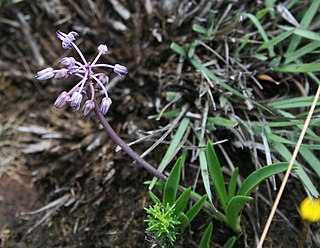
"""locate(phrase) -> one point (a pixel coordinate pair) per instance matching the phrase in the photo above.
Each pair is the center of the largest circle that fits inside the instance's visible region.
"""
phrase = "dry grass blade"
(285, 179)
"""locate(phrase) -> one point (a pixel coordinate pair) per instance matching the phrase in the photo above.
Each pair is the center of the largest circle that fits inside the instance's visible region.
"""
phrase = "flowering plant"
(89, 79)
(89, 83)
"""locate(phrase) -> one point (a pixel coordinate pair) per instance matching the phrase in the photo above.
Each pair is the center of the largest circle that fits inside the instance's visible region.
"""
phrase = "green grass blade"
(277, 138)
(172, 148)
(206, 71)
(302, 51)
(302, 33)
(314, 77)
(307, 67)
(206, 237)
(230, 242)
(199, 28)
(258, 176)
(295, 102)
(182, 202)
(153, 197)
(286, 154)
(172, 184)
(275, 40)
(234, 210)
(305, 22)
(263, 34)
(244, 42)
(311, 159)
(195, 209)
(184, 221)
(178, 49)
(215, 171)
(233, 183)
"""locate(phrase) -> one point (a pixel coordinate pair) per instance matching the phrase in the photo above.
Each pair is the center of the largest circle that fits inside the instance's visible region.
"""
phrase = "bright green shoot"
(168, 218)
(232, 201)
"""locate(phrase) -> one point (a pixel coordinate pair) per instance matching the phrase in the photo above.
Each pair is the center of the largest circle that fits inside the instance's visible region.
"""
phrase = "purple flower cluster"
(89, 79)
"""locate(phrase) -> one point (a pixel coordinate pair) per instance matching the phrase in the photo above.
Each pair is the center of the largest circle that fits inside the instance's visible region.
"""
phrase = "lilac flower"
(88, 107)
(62, 73)
(120, 70)
(105, 105)
(104, 79)
(75, 100)
(62, 100)
(67, 39)
(103, 49)
(73, 69)
(90, 81)
(45, 74)
(68, 61)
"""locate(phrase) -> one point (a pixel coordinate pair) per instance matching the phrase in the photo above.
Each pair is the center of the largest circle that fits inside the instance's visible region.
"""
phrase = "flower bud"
(120, 70)
(104, 79)
(105, 105)
(67, 39)
(75, 100)
(62, 100)
(73, 69)
(88, 107)
(45, 74)
(62, 73)
(68, 61)
(103, 49)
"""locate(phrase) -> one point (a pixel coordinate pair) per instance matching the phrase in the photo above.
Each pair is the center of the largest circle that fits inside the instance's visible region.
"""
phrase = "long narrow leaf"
(258, 176)
(222, 121)
(206, 237)
(286, 154)
(195, 209)
(206, 71)
(275, 40)
(172, 149)
(312, 160)
(153, 197)
(308, 67)
(302, 51)
(234, 210)
(303, 33)
(233, 183)
(216, 175)
(230, 242)
(184, 221)
(263, 34)
(172, 184)
(305, 22)
(182, 202)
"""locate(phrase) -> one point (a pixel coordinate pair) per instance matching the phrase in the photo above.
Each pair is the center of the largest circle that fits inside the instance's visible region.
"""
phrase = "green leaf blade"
(233, 183)
(182, 202)
(215, 171)
(172, 184)
(195, 209)
(206, 237)
(258, 176)
(234, 210)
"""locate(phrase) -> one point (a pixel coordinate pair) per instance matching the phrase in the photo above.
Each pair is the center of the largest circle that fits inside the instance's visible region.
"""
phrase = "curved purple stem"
(113, 135)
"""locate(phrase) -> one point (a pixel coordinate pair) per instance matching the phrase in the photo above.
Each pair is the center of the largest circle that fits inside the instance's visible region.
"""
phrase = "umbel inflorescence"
(89, 80)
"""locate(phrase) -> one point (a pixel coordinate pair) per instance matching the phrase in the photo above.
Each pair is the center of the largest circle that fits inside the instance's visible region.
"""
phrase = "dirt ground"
(61, 182)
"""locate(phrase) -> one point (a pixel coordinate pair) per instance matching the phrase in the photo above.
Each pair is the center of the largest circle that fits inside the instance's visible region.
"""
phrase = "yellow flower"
(310, 209)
